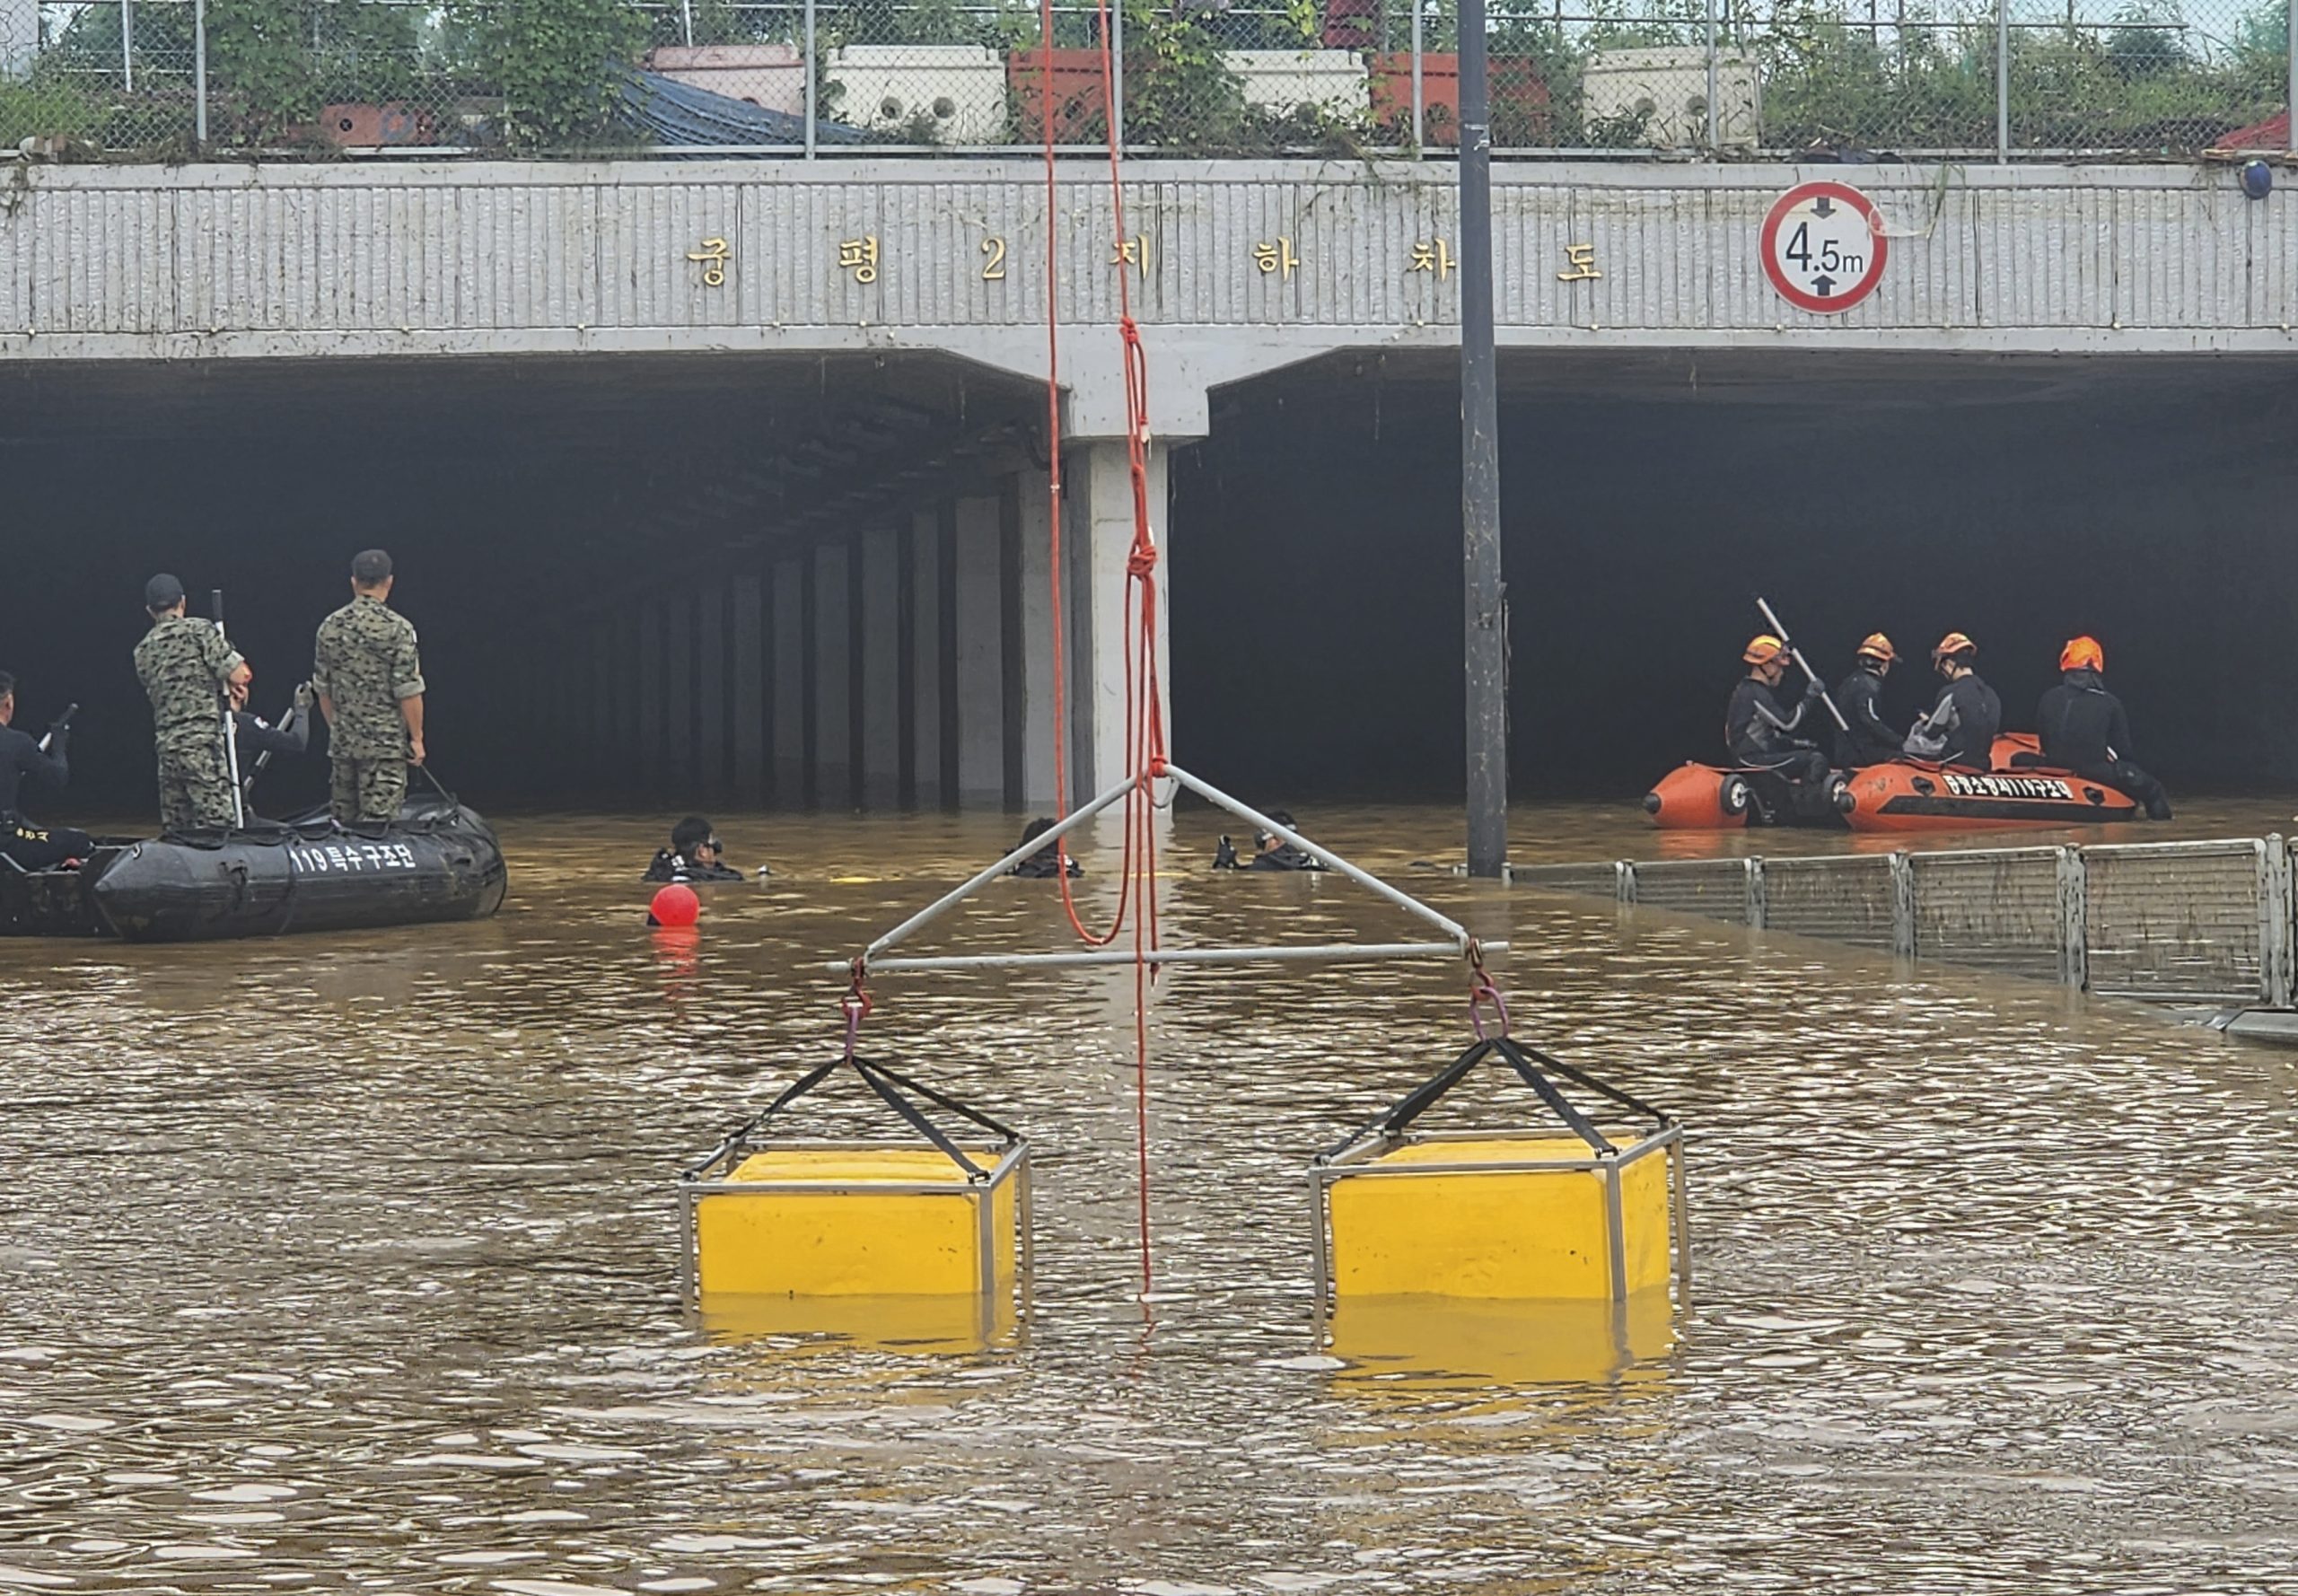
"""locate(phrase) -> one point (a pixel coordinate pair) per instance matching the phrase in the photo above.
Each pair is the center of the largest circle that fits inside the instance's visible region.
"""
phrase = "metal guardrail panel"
(1716, 889)
(1590, 881)
(1845, 899)
(1996, 909)
(2177, 919)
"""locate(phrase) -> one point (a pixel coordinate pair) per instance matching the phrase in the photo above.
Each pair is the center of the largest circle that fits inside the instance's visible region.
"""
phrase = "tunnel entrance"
(1649, 497)
(521, 499)
(594, 546)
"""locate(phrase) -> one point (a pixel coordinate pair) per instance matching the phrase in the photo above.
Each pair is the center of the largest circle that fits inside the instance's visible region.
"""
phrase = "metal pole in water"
(1487, 592)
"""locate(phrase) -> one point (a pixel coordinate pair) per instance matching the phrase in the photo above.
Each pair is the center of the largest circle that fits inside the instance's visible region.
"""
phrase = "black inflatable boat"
(439, 861)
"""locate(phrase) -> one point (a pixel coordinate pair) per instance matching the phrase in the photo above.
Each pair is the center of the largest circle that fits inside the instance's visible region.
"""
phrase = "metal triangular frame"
(1457, 943)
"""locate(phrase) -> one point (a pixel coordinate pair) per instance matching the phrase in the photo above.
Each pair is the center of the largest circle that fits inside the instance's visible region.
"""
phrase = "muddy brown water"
(349, 1263)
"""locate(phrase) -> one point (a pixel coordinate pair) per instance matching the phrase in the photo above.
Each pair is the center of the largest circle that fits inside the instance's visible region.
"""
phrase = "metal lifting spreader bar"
(1459, 944)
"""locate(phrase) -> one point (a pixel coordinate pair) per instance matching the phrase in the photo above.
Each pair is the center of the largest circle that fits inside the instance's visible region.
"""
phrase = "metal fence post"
(199, 74)
(127, 46)
(1715, 112)
(2278, 957)
(2002, 82)
(1627, 869)
(1421, 97)
(1759, 899)
(686, 16)
(1117, 73)
(1902, 905)
(2074, 918)
(812, 111)
(2290, 46)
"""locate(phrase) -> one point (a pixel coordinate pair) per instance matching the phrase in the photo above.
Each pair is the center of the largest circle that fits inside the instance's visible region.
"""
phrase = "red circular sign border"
(1858, 290)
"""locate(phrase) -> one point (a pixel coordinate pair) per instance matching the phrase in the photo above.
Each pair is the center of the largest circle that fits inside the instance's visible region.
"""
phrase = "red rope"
(1145, 721)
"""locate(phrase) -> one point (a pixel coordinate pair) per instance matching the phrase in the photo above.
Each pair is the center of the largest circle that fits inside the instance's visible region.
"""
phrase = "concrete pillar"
(678, 698)
(628, 749)
(653, 750)
(977, 598)
(712, 691)
(922, 697)
(1102, 535)
(1029, 685)
(880, 551)
(831, 755)
(748, 668)
(786, 646)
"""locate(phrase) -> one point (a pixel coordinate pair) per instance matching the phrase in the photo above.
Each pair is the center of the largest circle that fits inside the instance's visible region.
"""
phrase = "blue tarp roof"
(672, 113)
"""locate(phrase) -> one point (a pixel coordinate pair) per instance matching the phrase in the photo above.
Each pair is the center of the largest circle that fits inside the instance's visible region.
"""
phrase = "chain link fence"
(1721, 79)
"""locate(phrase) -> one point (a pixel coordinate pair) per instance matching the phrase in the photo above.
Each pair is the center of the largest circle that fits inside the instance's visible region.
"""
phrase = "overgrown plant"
(557, 65)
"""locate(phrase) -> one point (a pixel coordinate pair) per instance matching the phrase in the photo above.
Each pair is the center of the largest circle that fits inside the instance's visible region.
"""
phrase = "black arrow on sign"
(1823, 286)
(1824, 205)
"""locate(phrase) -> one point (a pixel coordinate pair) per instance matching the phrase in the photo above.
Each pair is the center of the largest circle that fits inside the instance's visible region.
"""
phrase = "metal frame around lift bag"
(1357, 1163)
(1458, 942)
(1013, 1164)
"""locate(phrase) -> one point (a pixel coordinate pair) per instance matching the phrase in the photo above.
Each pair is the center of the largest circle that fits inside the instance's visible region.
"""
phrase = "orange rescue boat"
(2019, 793)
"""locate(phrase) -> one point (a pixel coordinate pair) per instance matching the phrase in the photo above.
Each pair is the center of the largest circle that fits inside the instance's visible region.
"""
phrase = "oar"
(1797, 654)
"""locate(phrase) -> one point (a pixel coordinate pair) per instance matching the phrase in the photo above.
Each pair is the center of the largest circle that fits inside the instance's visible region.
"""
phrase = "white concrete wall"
(1031, 697)
(980, 655)
(354, 259)
(880, 549)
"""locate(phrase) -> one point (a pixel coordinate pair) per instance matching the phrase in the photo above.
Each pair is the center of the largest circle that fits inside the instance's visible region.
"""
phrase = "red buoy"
(674, 905)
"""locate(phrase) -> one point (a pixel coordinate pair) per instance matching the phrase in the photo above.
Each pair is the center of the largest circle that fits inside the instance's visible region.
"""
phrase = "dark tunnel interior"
(1313, 545)
(1648, 499)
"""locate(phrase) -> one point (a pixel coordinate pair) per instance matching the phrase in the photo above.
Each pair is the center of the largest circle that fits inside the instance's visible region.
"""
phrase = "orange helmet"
(1763, 649)
(2083, 653)
(1878, 647)
(1952, 644)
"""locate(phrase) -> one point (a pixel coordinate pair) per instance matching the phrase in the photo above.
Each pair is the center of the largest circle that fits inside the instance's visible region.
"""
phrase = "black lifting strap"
(1425, 1096)
(890, 1087)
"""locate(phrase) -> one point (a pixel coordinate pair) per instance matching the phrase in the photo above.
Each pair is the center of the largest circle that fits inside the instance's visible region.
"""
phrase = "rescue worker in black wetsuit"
(1756, 732)
(1961, 728)
(1870, 739)
(26, 846)
(1045, 864)
(2085, 729)
(256, 736)
(1270, 851)
(695, 854)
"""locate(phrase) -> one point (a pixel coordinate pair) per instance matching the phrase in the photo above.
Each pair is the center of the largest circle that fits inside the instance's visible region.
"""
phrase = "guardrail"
(2164, 922)
(1716, 79)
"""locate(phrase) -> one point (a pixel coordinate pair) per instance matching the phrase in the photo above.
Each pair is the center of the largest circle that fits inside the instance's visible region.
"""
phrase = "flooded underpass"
(351, 1264)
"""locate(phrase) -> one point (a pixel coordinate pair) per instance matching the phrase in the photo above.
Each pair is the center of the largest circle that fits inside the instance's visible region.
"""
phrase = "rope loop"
(1483, 991)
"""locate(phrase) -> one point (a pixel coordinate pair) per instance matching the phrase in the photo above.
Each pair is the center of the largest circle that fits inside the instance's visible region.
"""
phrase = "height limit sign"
(1823, 247)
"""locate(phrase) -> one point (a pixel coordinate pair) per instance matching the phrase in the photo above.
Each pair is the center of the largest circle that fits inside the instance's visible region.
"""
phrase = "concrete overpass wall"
(509, 257)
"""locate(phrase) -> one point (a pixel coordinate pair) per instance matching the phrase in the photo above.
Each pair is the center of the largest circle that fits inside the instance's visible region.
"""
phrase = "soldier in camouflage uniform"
(370, 682)
(187, 668)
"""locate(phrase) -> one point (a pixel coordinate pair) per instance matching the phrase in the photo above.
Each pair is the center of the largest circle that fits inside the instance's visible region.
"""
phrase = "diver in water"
(256, 736)
(695, 854)
(1959, 729)
(1870, 740)
(26, 846)
(1045, 864)
(1756, 732)
(1270, 851)
(2085, 729)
